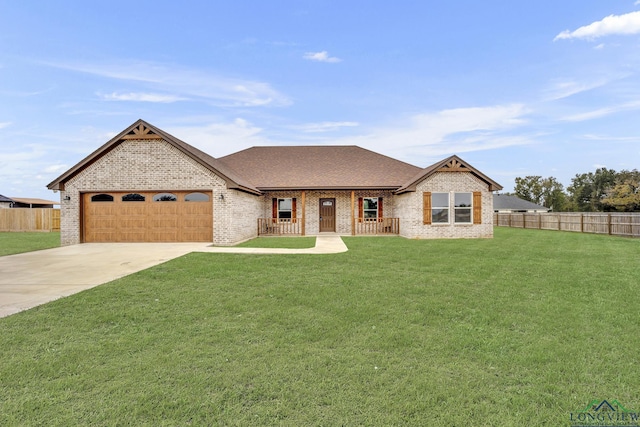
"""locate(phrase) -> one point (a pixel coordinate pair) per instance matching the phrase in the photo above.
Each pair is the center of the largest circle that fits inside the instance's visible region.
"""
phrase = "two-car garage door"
(172, 216)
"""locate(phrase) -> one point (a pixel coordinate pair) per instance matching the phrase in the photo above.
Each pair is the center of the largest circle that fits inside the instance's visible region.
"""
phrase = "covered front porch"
(302, 213)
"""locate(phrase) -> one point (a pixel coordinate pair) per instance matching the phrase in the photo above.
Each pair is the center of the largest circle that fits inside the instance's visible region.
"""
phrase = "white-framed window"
(285, 209)
(370, 208)
(440, 208)
(462, 205)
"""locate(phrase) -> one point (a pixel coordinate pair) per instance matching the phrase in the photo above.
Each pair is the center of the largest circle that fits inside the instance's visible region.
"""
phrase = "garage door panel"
(131, 236)
(165, 208)
(132, 209)
(197, 208)
(118, 220)
(160, 236)
(164, 223)
(196, 236)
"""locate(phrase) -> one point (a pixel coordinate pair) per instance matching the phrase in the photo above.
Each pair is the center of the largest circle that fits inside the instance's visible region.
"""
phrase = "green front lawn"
(280, 242)
(522, 329)
(18, 242)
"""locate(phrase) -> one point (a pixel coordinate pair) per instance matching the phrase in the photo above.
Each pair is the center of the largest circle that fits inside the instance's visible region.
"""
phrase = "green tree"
(553, 194)
(588, 189)
(542, 191)
(625, 194)
(529, 188)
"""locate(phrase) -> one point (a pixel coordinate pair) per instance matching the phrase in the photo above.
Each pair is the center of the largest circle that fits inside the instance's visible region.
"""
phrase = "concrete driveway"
(34, 278)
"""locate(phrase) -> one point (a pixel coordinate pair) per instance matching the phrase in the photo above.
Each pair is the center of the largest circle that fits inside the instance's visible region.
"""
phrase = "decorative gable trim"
(141, 132)
(450, 164)
(454, 165)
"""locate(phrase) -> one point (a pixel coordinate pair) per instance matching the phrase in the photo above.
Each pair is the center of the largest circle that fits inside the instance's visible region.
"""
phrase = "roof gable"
(319, 167)
(450, 164)
(141, 130)
(260, 169)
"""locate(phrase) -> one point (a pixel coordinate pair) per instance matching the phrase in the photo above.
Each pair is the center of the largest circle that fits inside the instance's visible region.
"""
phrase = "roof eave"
(328, 188)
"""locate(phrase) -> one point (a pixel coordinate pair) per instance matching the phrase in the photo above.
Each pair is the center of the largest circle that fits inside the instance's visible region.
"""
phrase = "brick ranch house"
(145, 185)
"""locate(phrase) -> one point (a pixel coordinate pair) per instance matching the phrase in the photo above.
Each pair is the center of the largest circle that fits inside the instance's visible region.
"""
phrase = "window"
(462, 207)
(165, 197)
(467, 208)
(285, 209)
(133, 197)
(102, 198)
(196, 197)
(370, 208)
(439, 208)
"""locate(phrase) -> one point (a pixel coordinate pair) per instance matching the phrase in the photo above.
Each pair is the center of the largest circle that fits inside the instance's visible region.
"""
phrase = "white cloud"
(324, 126)
(613, 24)
(55, 168)
(448, 131)
(141, 97)
(321, 57)
(220, 138)
(4, 124)
(567, 88)
(179, 82)
(601, 112)
(608, 138)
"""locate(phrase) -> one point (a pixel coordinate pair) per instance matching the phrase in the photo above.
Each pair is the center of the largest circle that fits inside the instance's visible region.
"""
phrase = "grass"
(522, 329)
(280, 242)
(18, 242)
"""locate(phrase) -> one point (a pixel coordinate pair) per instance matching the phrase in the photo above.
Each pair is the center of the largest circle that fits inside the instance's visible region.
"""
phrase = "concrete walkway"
(34, 278)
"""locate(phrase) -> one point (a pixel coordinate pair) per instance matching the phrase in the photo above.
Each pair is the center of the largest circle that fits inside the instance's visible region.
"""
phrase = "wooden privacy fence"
(615, 224)
(24, 219)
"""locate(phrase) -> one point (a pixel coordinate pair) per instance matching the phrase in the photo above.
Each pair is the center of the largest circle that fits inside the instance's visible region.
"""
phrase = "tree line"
(604, 190)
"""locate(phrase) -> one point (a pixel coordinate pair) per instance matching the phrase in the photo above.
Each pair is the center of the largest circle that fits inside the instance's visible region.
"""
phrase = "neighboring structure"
(21, 202)
(146, 185)
(503, 203)
(5, 202)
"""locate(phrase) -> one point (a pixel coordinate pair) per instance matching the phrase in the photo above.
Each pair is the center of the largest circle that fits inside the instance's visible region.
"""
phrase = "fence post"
(582, 223)
(609, 224)
(539, 221)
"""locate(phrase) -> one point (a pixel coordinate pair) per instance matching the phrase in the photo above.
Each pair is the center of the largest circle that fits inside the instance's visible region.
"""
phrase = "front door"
(327, 215)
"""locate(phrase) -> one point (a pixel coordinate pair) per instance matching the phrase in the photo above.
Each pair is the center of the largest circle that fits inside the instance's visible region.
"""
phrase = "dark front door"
(327, 215)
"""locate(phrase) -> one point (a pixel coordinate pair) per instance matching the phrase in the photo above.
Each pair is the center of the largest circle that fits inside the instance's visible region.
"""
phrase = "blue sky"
(516, 88)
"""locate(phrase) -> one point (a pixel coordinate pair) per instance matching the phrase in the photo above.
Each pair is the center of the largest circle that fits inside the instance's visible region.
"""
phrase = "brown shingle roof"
(233, 180)
(258, 169)
(318, 167)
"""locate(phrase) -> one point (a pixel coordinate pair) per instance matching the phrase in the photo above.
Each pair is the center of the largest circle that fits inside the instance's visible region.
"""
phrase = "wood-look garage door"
(171, 216)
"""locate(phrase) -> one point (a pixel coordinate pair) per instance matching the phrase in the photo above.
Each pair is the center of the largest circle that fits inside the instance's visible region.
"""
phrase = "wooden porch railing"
(378, 226)
(279, 227)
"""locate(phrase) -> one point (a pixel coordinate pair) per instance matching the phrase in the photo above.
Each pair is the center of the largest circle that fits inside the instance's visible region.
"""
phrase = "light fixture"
(67, 198)
(222, 197)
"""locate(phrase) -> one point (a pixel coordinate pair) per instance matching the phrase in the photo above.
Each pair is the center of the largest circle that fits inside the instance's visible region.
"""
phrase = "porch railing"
(278, 227)
(378, 226)
(291, 227)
